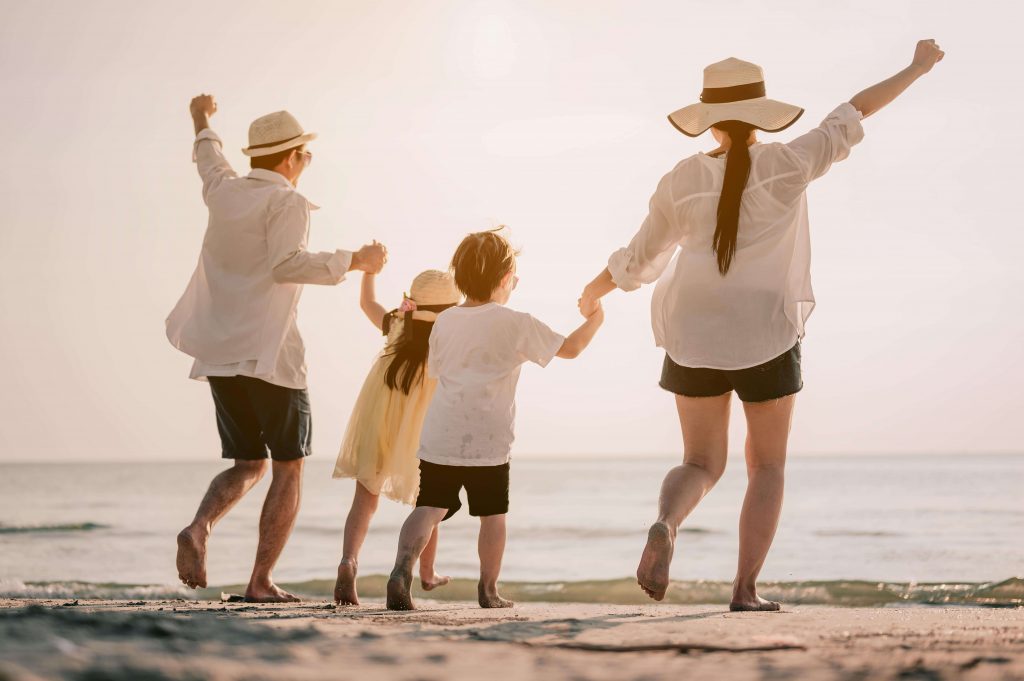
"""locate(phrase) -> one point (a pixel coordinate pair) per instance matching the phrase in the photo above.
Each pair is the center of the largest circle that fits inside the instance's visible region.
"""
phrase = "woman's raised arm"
(875, 97)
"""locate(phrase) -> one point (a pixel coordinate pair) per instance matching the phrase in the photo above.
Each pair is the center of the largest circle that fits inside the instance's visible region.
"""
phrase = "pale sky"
(441, 118)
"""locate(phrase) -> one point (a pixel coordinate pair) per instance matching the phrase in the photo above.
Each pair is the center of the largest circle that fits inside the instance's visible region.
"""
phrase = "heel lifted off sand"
(652, 575)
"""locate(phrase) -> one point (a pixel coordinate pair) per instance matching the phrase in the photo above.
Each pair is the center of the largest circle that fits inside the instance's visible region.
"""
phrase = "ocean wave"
(58, 527)
(852, 593)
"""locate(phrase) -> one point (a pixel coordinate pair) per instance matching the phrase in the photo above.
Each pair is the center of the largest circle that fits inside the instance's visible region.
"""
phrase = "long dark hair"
(737, 171)
(409, 351)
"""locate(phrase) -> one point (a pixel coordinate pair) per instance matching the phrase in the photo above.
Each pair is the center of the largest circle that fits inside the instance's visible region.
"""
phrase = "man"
(237, 319)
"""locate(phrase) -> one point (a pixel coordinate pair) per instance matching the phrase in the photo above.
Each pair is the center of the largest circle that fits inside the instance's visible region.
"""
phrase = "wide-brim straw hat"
(432, 292)
(275, 132)
(734, 90)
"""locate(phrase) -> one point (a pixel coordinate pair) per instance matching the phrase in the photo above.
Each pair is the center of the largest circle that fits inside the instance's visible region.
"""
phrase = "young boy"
(476, 352)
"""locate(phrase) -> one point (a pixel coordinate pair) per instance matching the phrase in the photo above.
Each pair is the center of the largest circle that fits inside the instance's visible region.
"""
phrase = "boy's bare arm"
(579, 339)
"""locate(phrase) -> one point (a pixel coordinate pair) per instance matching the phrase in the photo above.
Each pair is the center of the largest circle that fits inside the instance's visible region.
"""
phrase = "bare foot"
(652, 575)
(191, 559)
(345, 587)
(433, 580)
(269, 594)
(399, 597)
(489, 598)
(757, 605)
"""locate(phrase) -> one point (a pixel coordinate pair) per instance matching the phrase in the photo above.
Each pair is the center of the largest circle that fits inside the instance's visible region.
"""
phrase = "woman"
(730, 308)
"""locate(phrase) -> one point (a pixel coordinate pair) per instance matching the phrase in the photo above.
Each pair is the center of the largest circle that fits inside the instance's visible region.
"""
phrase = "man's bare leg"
(276, 521)
(705, 425)
(768, 425)
(491, 546)
(429, 579)
(414, 537)
(226, 489)
(364, 505)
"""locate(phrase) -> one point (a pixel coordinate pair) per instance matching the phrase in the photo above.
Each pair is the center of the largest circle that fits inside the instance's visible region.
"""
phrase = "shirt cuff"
(339, 263)
(205, 134)
(618, 267)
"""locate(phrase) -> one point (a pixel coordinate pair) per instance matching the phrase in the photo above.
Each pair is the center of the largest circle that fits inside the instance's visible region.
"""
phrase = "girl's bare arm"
(373, 310)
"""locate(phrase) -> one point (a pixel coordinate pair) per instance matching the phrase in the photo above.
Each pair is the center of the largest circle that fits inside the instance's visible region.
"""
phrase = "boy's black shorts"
(486, 488)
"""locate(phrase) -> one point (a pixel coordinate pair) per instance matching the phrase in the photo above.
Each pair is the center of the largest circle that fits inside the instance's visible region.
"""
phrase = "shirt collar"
(277, 178)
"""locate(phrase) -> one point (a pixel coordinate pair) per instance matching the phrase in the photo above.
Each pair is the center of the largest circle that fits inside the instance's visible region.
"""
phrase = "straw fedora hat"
(275, 132)
(734, 91)
(432, 292)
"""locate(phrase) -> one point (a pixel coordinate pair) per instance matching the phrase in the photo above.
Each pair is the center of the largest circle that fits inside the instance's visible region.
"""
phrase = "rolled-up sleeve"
(648, 254)
(213, 166)
(815, 151)
(290, 262)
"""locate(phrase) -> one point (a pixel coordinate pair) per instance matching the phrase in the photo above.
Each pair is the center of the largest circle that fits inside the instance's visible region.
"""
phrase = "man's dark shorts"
(486, 488)
(253, 415)
(775, 378)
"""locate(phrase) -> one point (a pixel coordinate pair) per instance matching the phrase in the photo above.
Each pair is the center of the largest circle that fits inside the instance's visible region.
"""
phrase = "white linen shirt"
(758, 309)
(476, 355)
(237, 316)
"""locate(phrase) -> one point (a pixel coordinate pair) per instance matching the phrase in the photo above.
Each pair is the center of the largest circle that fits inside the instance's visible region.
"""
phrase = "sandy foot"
(491, 599)
(191, 560)
(345, 587)
(433, 581)
(398, 597)
(652, 575)
(759, 605)
(271, 594)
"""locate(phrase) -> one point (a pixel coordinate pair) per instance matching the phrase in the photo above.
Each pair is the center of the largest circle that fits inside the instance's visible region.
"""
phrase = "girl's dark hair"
(737, 171)
(409, 352)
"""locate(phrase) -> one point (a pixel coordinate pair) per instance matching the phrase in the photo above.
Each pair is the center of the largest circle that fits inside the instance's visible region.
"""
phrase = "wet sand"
(190, 640)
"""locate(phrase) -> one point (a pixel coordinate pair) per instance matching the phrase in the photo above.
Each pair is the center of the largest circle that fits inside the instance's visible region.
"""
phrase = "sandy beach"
(207, 640)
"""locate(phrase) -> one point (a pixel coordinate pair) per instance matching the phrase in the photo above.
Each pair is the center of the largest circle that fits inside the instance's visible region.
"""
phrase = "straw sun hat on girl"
(432, 291)
(734, 90)
(275, 132)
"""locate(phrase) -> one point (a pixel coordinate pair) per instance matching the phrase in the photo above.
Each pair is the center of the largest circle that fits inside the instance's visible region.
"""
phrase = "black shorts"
(253, 415)
(486, 488)
(769, 381)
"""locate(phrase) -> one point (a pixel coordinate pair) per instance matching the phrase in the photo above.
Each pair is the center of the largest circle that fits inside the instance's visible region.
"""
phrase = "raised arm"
(207, 154)
(373, 310)
(926, 55)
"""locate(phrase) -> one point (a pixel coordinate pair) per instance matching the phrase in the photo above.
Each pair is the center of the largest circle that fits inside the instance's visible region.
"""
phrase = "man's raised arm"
(207, 153)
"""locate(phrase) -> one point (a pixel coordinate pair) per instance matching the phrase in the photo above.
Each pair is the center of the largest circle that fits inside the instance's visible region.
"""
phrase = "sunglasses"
(308, 155)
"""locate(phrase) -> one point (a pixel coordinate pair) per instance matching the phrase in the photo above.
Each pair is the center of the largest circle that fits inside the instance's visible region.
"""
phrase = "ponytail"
(737, 171)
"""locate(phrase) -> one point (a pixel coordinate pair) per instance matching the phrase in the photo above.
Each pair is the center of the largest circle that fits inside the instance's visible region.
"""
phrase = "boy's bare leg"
(414, 537)
(705, 425)
(226, 489)
(364, 505)
(491, 547)
(429, 579)
(276, 521)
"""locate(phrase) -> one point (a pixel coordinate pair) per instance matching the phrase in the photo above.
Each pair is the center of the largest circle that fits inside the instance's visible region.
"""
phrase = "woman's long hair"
(737, 171)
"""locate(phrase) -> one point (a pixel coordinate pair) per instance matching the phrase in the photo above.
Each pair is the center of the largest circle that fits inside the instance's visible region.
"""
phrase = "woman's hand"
(927, 55)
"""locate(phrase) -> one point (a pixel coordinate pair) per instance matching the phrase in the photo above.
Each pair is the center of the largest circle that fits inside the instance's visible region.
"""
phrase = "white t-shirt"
(476, 354)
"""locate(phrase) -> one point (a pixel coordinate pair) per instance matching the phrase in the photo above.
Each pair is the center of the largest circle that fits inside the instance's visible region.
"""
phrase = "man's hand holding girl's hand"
(371, 258)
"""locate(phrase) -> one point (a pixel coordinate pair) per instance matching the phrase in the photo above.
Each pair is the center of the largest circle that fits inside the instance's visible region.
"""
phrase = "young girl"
(383, 434)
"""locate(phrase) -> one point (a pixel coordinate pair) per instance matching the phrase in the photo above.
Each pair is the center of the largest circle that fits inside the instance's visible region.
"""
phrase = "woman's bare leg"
(429, 579)
(705, 425)
(364, 505)
(768, 425)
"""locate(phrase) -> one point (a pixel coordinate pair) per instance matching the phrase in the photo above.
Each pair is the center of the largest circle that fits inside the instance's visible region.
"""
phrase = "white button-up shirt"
(237, 315)
(758, 309)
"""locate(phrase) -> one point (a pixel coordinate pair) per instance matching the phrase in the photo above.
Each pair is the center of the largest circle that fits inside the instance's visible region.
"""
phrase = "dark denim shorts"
(486, 488)
(253, 416)
(775, 378)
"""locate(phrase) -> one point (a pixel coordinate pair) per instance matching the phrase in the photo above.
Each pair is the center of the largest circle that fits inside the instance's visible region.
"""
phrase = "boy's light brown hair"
(480, 262)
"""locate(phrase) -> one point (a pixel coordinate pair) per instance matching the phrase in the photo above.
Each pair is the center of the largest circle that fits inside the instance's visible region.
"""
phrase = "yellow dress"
(383, 433)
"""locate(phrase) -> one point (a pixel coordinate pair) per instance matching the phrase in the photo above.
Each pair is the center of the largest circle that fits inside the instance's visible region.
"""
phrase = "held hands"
(927, 55)
(370, 258)
(203, 105)
(591, 307)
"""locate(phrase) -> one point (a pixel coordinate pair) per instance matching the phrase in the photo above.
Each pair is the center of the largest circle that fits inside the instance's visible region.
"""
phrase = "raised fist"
(203, 104)
(927, 54)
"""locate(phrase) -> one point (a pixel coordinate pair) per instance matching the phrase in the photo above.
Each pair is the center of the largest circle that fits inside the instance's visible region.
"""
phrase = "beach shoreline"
(181, 639)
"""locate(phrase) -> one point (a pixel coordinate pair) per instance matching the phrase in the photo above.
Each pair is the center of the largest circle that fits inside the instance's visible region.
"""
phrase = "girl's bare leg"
(364, 505)
(768, 425)
(705, 425)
